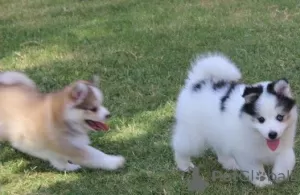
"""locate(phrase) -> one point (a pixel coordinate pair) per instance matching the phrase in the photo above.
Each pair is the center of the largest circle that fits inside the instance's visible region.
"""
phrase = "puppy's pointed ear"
(78, 92)
(95, 80)
(252, 93)
(280, 87)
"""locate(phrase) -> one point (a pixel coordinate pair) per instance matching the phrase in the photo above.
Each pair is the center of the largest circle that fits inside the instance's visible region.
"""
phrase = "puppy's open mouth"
(273, 144)
(97, 126)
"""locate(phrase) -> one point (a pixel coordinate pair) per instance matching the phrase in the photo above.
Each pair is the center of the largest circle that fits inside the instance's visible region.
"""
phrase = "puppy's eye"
(261, 119)
(94, 109)
(279, 117)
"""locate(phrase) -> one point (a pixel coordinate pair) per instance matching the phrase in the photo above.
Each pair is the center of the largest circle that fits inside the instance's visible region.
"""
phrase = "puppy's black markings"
(227, 95)
(251, 94)
(283, 101)
(219, 85)
(198, 86)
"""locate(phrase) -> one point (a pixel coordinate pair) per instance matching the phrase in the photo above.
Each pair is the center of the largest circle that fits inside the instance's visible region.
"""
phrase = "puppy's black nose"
(108, 116)
(273, 135)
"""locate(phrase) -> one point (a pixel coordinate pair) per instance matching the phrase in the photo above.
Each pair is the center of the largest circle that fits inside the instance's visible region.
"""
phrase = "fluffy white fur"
(238, 140)
(222, 69)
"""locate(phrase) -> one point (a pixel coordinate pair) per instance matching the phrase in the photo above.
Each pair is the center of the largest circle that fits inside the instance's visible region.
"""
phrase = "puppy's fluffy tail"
(13, 77)
(213, 66)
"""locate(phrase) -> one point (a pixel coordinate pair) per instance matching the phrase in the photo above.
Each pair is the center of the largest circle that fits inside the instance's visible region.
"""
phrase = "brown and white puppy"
(54, 126)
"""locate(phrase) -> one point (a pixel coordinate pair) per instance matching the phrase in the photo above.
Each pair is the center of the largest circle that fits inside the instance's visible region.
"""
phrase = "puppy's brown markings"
(88, 100)
(87, 103)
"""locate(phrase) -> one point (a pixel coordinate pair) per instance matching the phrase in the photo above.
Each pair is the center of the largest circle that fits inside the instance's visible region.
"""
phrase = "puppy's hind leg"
(227, 162)
(94, 158)
(186, 146)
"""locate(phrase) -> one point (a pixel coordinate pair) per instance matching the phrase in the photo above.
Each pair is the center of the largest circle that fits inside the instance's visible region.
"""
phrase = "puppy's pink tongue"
(273, 144)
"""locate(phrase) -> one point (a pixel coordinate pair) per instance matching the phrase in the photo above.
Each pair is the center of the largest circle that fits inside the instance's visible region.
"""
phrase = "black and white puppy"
(247, 126)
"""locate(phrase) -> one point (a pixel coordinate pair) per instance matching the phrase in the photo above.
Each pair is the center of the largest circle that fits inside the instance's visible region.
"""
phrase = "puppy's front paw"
(64, 166)
(72, 167)
(115, 162)
(262, 184)
(186, 167)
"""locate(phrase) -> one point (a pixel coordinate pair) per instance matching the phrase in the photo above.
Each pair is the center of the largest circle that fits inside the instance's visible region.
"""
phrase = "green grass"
(142, 50)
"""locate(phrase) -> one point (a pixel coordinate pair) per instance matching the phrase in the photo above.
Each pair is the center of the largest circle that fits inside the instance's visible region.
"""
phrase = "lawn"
(142, 50)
